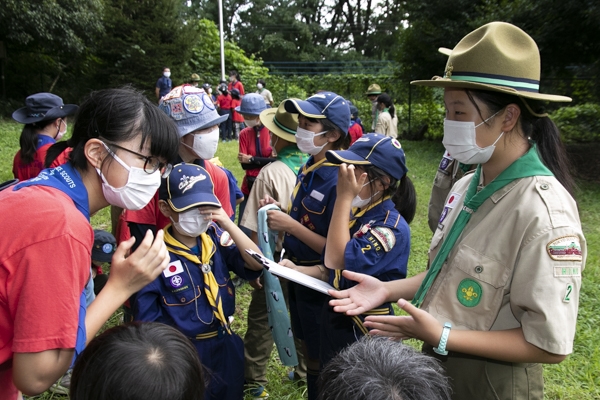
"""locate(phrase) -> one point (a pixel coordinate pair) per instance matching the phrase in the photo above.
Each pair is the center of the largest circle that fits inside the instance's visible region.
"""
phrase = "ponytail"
(29, 138)
(54, 151)
(386, 100)
(405, 199)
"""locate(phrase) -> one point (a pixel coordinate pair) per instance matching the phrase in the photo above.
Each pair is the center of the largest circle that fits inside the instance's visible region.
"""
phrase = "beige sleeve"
(260, 188)
(545, 290)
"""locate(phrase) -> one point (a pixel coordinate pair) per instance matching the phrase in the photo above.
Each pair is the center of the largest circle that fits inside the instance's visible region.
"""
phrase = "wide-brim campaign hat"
(498, 57)
(373, 89)
(43, 107)
(252, 104)
(323, 105)
(187, 186)
(280, 122)
(105, 245)
(382, 151)
(191, 108)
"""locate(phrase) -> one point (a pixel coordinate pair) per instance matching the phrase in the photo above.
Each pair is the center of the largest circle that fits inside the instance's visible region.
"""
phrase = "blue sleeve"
(231, 255)
(146, 304)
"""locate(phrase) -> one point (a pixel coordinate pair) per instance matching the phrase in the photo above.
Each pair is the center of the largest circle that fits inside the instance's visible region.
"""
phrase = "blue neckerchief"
(66, 179)
(44, 140)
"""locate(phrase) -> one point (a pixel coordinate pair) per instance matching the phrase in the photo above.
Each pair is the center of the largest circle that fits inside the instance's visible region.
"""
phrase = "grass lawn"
(576, 378)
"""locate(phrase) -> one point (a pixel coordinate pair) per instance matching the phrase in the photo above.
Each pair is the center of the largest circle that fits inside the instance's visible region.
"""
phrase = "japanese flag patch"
(565, 248)
(174, 268)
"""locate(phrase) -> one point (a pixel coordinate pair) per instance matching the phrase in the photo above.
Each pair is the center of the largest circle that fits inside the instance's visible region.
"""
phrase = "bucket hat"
(195, 78)
(382, 151)
(280, 122)
(252, 104)
(373, 89)
(498, 57)
(187, 186)
(191, 108)
(43, 107)
(323, 105)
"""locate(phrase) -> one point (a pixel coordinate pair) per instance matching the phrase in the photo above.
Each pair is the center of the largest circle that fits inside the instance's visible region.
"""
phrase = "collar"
(44, 140)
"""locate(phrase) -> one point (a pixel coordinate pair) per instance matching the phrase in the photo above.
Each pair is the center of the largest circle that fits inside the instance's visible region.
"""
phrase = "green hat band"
(280, 126)
(527, 85)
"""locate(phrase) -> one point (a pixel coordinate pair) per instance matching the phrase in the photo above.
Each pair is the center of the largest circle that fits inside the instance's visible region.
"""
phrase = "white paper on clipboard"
(290, 274)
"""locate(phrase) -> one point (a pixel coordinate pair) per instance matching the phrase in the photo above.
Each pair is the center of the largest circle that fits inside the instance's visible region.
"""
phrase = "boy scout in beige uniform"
(531, 281)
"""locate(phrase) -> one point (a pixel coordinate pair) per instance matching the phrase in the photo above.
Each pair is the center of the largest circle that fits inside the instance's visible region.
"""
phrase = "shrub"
(578, 124)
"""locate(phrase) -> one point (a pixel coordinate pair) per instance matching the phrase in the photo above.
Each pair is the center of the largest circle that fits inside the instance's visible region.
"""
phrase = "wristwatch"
(441, 349)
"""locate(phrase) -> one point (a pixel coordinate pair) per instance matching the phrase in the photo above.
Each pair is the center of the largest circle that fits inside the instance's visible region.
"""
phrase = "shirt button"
(182, 299)
(544, 186)
(479, 269)
(295, 208)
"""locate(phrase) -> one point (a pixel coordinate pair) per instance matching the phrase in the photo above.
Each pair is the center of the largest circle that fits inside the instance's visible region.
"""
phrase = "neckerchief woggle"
(528, 165)
(279, 320)
(68, 180)
(357, 214)
(211, 288)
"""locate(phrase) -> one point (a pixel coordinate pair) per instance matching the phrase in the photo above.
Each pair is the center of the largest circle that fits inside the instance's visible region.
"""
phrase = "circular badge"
(107, 248)
(396, 144)
(205, 268)
(469, 292)
(208, 102)
(193, 103)
(176, 281)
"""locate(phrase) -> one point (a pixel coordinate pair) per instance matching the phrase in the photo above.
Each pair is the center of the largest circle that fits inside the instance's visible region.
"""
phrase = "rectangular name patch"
(560, 272)
(317, 195)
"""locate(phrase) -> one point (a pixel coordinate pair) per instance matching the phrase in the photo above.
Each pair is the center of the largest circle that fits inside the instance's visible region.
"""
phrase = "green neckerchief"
(292, 157)
(528, 165)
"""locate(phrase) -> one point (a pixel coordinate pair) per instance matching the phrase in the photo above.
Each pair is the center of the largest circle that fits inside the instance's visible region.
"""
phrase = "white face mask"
(306, 143)
(60, 134)
(191, 223)
(251, 122)
(205, 144)
(359, 202)
(259, 86)
(137, 192)
(209, 91)
(166, 74)
(460, 141)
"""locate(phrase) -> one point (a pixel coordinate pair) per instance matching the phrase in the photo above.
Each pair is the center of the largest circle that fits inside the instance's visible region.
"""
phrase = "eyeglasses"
(151, 164)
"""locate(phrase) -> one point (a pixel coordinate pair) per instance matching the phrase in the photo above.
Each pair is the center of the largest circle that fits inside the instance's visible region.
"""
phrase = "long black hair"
(386, 100)
(402, 191)
(541, 130)
(118, 115)
(139, 360)
(29, 138)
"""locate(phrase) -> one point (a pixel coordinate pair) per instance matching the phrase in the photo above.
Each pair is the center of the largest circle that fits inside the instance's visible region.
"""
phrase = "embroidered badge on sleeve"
(385, 237)
(225, 240)
(565, 248)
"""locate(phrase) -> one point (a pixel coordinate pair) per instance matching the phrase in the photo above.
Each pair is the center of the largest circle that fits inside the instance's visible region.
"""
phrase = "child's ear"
(165, 209)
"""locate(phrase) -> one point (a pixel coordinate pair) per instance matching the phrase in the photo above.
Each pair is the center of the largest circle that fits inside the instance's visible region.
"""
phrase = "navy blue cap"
(384, 152)
(252, 104)
(43, 107)
(323, 105)
(191, 108)
(187, 186)
(105, 245)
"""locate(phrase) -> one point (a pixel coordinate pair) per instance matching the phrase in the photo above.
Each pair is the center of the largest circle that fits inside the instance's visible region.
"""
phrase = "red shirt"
(236, 85)
(151, 215)
(224, 101)
(44, 267)
(236, 117)
(23, 171)
(248, 146)
(355, 132)
(62, 158)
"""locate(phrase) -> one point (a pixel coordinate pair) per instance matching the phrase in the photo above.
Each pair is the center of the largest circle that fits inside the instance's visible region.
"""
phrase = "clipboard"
(290, 274)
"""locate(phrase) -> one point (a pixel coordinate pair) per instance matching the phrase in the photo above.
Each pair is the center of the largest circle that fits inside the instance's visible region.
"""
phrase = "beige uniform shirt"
(386, 125)
(276, 180)
(517, 263)
(446, 176)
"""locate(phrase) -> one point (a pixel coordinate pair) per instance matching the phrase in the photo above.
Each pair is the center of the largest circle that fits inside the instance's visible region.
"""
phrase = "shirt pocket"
(472, 292)
(313, 205)
(179, 294)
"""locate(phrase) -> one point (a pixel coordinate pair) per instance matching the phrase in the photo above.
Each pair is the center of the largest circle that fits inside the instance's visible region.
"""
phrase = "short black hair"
(139, 360)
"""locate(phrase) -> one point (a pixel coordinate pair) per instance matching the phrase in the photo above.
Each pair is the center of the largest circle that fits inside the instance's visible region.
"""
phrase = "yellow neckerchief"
(305, 171)
(211, 288)
(338, 272)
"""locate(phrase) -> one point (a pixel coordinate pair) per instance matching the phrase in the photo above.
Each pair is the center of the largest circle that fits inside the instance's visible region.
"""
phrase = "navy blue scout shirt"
(164, 85)
(379, 245)
(312, 207)
(179, 299)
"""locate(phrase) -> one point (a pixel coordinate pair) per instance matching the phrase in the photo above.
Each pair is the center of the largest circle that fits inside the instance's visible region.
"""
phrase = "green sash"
(528, 165)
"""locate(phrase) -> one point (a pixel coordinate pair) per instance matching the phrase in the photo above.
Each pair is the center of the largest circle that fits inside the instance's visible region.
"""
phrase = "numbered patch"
(565, 248)
(568, 293)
